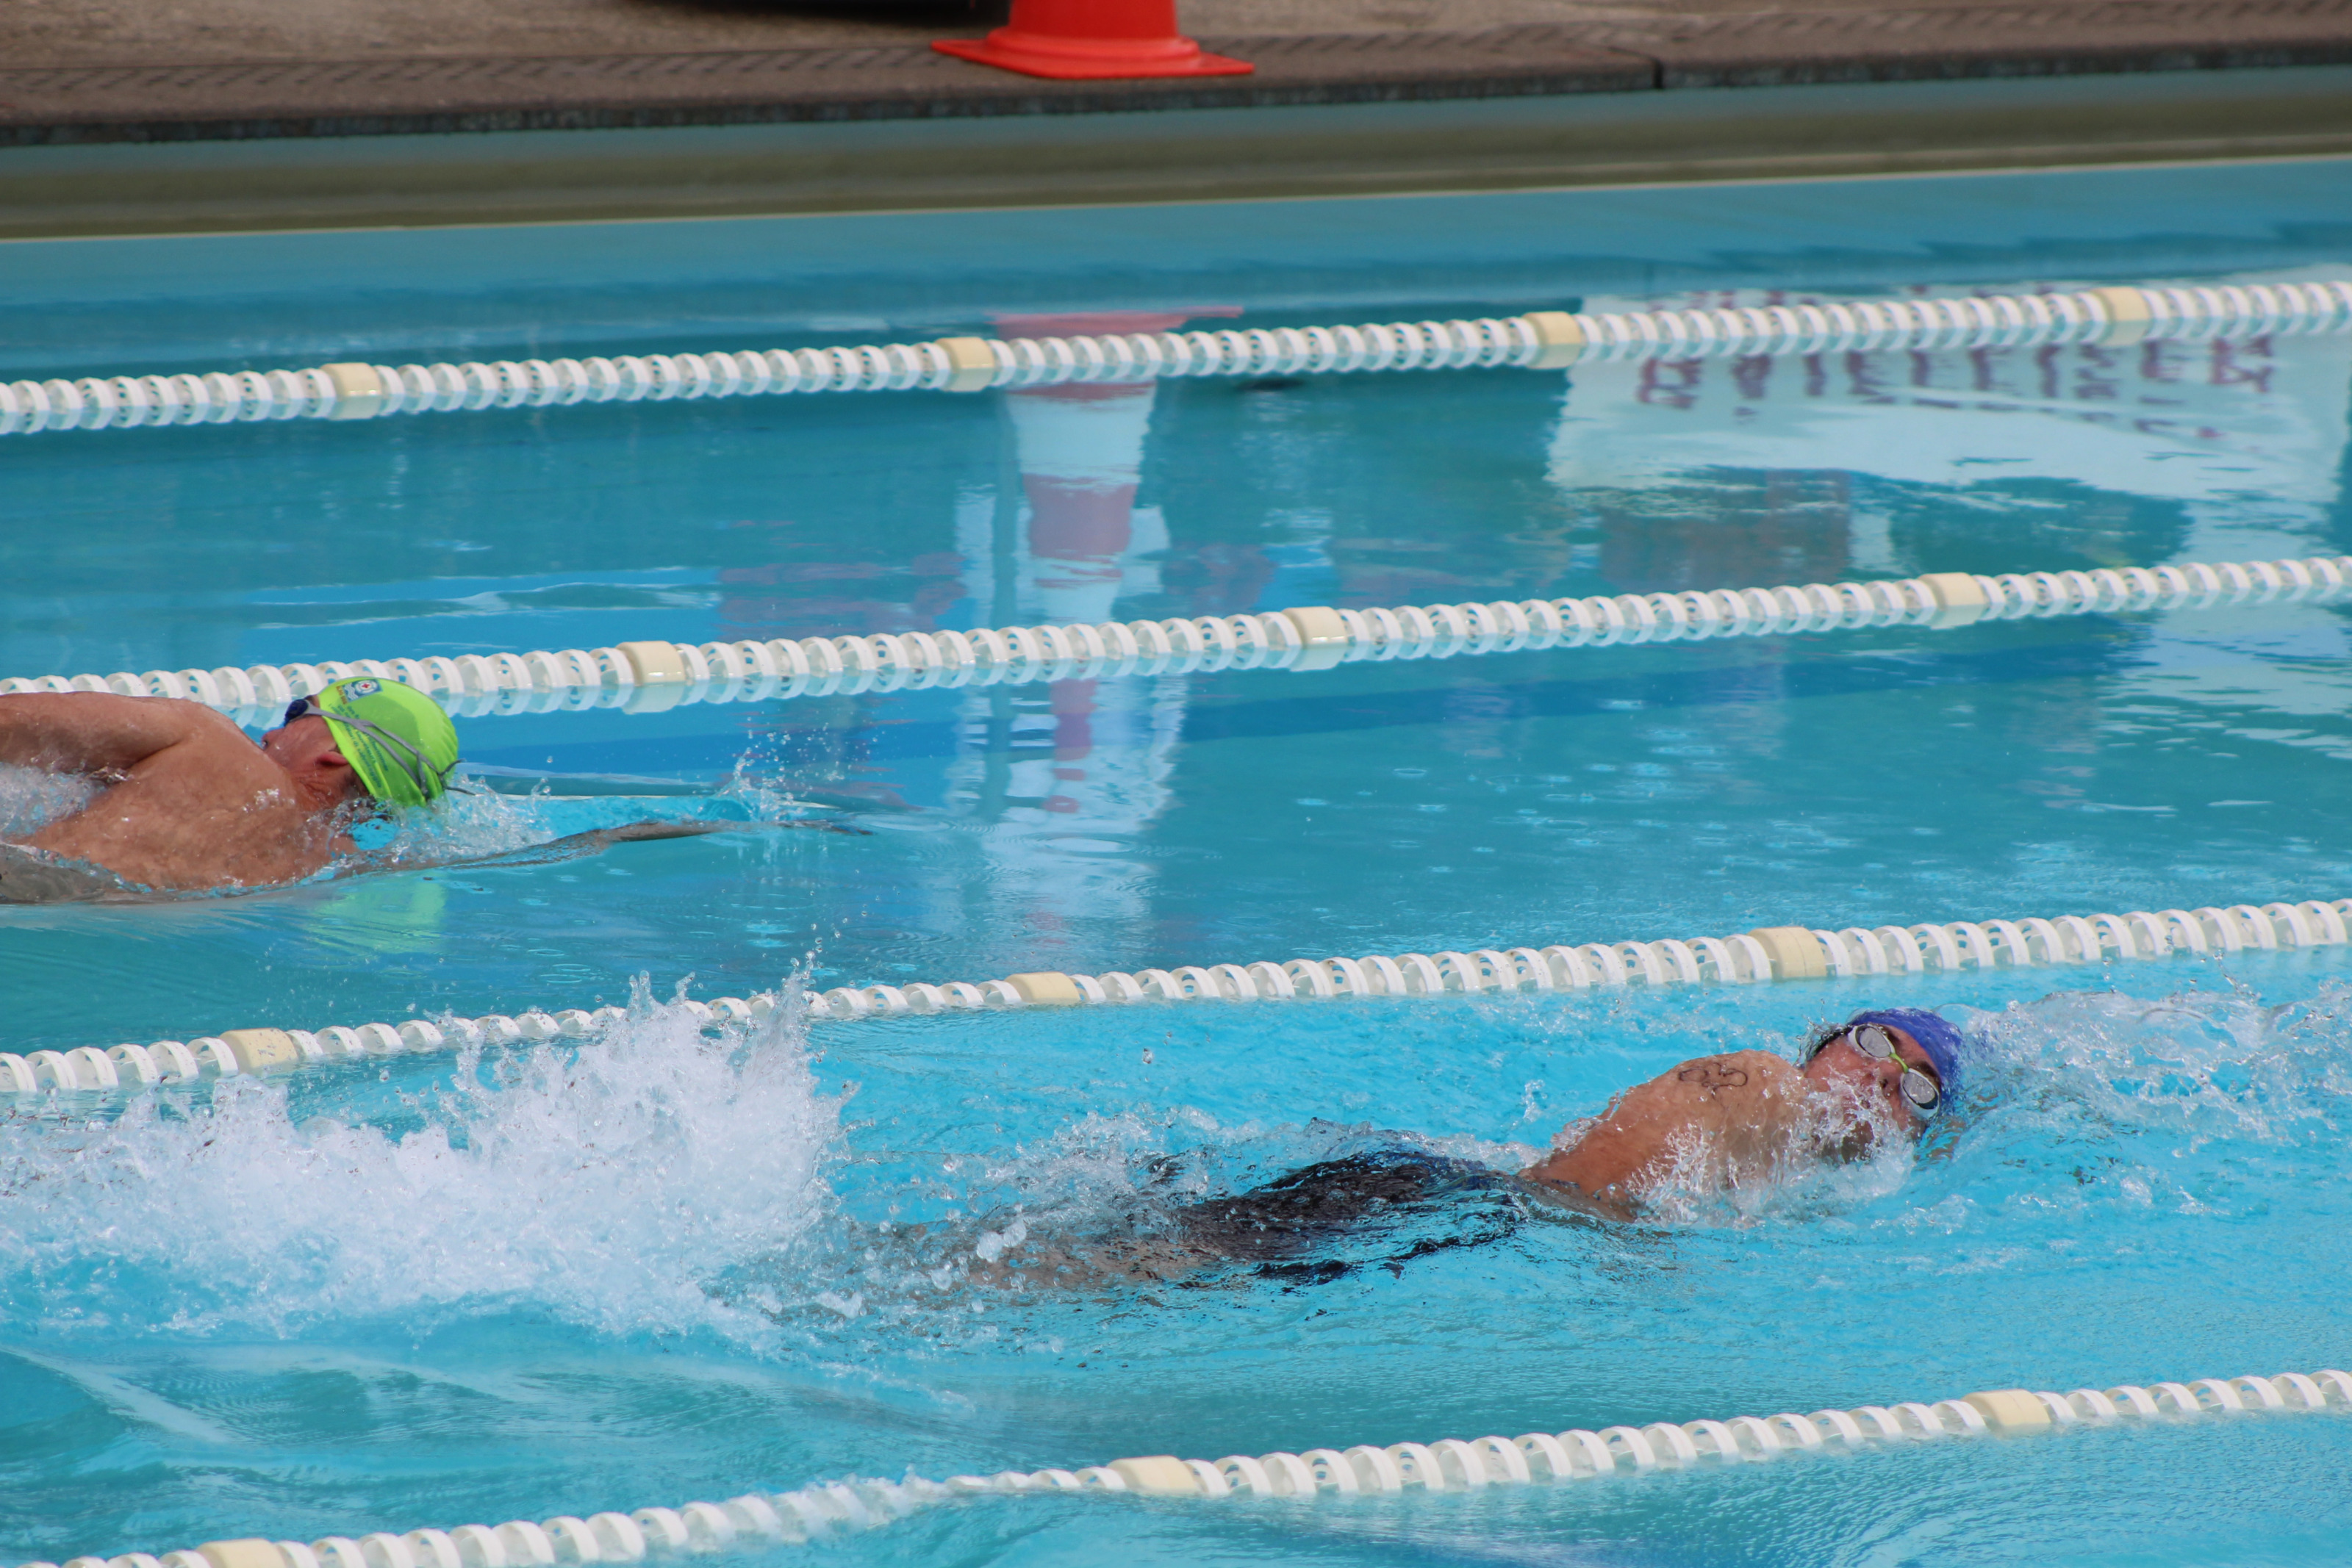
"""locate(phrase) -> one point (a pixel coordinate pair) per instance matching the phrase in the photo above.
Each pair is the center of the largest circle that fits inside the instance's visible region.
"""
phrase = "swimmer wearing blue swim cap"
(1714, 1125)
(1741, 1119)
(1937, 1039)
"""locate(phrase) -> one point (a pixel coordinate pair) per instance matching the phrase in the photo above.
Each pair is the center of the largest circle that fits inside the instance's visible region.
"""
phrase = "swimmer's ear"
(352, 789)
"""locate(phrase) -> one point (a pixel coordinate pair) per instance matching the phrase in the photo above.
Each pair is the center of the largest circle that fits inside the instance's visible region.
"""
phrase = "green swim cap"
(395, 738)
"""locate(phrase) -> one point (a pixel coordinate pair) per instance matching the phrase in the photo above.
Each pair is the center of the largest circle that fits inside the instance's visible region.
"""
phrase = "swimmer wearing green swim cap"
(185, 801)
(397, 739)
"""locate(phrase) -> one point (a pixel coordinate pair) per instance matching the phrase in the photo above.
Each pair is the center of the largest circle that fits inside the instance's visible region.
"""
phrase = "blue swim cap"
(1943, 1042)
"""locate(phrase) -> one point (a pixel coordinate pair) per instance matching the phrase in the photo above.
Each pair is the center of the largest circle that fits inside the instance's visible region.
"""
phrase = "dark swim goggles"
(1873, 1040)
(429, 780)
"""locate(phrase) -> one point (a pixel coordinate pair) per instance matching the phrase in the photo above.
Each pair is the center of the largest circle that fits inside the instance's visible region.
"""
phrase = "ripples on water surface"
(669, 1265)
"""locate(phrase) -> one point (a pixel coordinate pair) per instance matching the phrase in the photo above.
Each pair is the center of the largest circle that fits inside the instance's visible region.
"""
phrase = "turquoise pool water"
(669, 1265)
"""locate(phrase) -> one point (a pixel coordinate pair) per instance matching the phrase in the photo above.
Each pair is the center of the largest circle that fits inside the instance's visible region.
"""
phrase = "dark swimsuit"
(1387, 1206)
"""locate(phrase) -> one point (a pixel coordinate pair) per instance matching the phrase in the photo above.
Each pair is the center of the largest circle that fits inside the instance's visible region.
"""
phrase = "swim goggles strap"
(404, 755)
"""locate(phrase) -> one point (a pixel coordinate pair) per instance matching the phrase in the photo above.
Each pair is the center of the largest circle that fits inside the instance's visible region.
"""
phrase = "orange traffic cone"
(1080, 40)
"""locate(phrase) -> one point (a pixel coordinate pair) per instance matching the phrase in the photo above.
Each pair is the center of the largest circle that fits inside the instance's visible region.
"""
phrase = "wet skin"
(187, 801)
(1750, 1112)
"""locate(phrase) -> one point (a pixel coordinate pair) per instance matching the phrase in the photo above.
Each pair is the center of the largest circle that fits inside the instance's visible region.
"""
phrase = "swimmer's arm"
(1746, 1101)
(98, 733)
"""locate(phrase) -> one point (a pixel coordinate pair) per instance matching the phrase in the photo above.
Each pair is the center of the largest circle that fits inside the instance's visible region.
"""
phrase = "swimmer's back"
(1716, 1121)
(186, 801)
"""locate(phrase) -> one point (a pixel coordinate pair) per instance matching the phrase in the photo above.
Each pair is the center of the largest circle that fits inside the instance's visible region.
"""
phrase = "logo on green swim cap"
(396, 739)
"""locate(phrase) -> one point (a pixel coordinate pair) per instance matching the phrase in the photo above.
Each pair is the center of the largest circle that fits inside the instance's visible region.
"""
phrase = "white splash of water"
(462, 826)
(2199, 1065)
(31, 797)
(1698, 1183)
(605, 1185)
(2085, 1103)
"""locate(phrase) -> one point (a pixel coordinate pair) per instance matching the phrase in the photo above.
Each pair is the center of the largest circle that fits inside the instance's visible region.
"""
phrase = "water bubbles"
(993, 1244)
(467, 826)
(2198, 1065)
(31, 797)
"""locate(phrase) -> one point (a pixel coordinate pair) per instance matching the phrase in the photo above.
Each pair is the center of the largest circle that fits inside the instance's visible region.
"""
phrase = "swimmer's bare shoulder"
(1745, 1104)
(188, 801)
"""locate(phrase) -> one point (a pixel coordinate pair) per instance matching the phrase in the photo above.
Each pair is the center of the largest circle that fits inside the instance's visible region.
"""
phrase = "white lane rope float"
(757, 1520)
(1541, 340)
(1748, 957)
(654, 676)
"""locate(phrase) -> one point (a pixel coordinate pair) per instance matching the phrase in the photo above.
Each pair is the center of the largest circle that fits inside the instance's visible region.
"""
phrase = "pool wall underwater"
(142, 175)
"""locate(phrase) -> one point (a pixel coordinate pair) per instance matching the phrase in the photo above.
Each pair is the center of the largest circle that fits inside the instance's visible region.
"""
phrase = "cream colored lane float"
(761, 1520)
(2113, 317)
(1743, 958)
(652, 677)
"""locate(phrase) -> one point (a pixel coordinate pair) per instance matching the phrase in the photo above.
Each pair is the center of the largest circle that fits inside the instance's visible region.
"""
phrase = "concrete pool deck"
(121, 117)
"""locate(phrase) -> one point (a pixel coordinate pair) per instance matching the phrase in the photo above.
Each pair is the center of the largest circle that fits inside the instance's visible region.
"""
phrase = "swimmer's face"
(307, 748)
(1875, 1084)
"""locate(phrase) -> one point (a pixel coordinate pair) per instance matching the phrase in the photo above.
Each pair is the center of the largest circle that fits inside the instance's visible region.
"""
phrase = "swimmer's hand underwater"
(187, 802)
(596, 841)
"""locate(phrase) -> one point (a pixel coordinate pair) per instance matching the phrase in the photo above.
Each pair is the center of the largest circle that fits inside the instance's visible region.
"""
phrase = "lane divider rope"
(1541, 340)
(653, 676)
(1748, 957)
(758, 1520)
